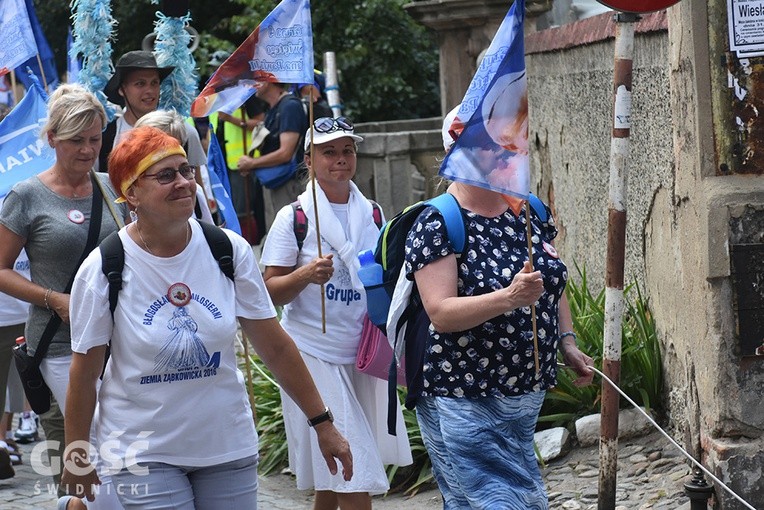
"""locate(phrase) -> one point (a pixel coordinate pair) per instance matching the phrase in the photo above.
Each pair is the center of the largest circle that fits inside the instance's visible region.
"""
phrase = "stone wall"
(684, 219)
(570, 109)
(398, 161)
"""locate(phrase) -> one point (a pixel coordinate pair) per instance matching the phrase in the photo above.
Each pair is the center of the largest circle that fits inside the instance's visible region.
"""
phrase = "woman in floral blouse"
(482, 391)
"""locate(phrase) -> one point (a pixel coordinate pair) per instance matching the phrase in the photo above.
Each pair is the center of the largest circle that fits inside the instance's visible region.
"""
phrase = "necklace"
(146, 245)
(71, 189)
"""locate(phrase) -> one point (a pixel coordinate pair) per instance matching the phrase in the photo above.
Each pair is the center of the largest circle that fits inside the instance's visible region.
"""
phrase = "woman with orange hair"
(172, 382)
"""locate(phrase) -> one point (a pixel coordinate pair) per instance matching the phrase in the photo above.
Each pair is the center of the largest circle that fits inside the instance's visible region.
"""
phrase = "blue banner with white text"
(22, 152)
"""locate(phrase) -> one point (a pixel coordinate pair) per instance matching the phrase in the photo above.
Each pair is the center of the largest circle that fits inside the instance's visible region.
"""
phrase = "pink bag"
(375, 354)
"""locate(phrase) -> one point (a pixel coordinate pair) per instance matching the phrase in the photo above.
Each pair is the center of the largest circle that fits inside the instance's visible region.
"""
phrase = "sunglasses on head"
(329, 125)
(167, 175)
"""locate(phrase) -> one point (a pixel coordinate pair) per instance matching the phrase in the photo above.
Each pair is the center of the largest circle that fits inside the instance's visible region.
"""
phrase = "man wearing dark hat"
(134, 85)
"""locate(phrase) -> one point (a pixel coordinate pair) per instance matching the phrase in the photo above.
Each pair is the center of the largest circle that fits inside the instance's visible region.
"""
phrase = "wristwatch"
(321, 418)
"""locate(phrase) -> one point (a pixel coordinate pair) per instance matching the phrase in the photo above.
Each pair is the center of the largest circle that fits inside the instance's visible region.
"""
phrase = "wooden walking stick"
(315, 208)
(250, 387)
(245, 341)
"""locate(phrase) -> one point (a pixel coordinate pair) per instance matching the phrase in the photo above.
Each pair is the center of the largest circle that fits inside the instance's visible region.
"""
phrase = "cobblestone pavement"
(651, 474)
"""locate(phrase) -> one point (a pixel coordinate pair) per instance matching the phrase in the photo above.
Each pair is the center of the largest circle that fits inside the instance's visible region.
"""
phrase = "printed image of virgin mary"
(184, 349)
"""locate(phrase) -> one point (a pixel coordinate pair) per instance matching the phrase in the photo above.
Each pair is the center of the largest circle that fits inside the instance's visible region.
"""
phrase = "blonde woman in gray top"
(49, 215)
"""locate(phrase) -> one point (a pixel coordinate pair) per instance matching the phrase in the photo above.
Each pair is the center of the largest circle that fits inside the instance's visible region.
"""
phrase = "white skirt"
(359, 405)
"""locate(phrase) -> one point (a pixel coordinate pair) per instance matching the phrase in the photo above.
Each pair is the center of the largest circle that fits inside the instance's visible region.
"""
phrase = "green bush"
(641, 376)
(411, 479)
(269, 418)
(640, 379)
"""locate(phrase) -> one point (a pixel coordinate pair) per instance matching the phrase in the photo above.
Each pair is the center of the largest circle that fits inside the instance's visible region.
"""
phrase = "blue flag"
(22, 152)
(492, 150)
(16, 38)
(73, 62)
(279, 50)
(221, 187)
(49, 75)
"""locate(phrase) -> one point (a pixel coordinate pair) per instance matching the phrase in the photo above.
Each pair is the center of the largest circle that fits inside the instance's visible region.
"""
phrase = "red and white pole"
(616, 247)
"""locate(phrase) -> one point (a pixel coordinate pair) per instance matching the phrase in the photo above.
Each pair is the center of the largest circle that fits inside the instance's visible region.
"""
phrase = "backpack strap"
(538, 206)
(220, 246)
(112, 263)
(452, 214)
(107, 143)
(376, 213)
(300, 220)
(451, 211)
(113, 258)
(299, 223)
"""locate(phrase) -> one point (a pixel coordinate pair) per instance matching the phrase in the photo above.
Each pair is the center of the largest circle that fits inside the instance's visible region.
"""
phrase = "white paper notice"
(622, 109)
(746, 25)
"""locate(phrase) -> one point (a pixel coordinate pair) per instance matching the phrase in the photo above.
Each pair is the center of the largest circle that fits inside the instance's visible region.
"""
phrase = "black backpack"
(113, 258)
(390, 254)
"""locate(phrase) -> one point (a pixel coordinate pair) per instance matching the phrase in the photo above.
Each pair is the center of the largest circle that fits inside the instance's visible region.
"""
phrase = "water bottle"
(377, 299)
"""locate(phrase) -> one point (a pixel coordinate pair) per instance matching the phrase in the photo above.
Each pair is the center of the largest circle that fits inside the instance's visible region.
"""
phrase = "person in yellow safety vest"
(234, 133)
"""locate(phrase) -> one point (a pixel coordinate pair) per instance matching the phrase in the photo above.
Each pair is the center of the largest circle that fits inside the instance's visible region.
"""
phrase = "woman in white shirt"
(176, 429)
(294, 277)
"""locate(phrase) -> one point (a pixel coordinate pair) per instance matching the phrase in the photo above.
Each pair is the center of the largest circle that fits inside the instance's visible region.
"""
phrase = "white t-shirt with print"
(345, 305)
(172, 391)
(15, 311)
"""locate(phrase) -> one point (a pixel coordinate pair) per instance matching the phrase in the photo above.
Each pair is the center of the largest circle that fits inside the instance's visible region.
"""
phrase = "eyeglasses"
(167, 175)
(329, 125)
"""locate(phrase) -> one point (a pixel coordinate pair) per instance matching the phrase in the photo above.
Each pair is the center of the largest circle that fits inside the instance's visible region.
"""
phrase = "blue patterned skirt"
(482, 451)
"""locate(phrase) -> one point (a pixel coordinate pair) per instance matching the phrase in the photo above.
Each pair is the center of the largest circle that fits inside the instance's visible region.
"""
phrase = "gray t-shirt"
(56, 231)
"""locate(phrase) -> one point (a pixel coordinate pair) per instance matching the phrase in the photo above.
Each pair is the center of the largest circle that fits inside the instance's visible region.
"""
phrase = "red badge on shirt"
(550, 250)
(179, 294)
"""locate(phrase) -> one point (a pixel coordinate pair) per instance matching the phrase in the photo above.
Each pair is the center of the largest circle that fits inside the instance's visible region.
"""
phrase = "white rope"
(262, 372)
(698, 464)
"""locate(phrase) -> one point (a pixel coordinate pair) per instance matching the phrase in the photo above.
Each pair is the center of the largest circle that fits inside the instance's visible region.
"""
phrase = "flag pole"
(42, 73)
(529, 235)
(250, 387)
(13, 88)
(315, 208)
(245, 341)
(249, 218)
